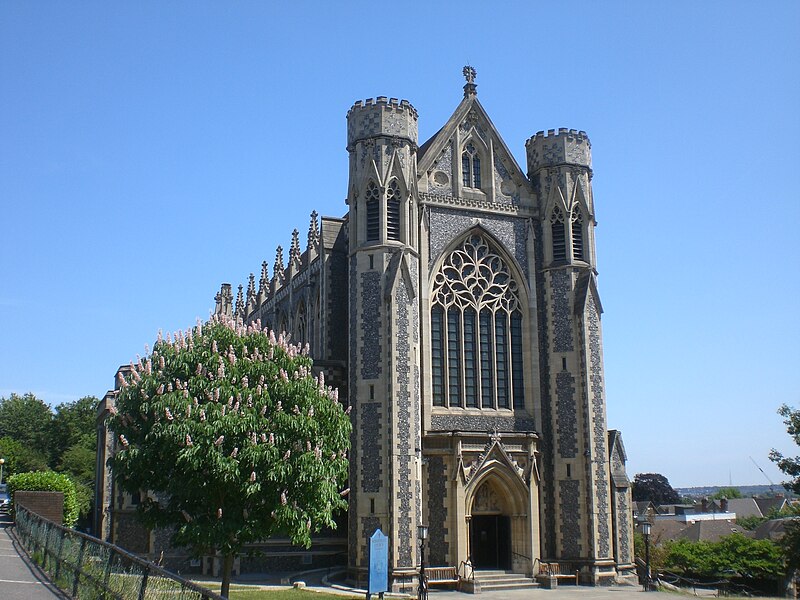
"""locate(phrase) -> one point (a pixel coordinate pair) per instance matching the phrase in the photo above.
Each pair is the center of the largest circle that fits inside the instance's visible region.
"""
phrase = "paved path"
(316, 580)
(20, 579)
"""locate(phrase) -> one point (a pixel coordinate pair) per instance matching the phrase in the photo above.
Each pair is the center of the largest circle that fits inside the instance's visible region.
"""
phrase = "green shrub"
(47, 481)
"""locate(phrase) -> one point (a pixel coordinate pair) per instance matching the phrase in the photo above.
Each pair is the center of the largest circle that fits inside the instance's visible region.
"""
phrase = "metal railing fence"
(91, 569)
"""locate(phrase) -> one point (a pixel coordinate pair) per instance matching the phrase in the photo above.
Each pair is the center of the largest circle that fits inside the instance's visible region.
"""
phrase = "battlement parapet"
(381, 116)
(558, 147)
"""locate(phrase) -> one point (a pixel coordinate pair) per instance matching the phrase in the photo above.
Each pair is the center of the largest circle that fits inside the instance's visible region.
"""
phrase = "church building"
(455, 305)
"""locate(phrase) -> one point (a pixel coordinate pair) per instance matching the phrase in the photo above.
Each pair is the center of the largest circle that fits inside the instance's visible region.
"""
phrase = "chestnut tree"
(233, 437)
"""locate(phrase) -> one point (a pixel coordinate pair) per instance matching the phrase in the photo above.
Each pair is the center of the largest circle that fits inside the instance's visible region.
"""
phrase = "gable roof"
(710, 531)
(772, 529)
(641, 507)
(768, 504)
(663, 531)
(743, 507)
(430, 150)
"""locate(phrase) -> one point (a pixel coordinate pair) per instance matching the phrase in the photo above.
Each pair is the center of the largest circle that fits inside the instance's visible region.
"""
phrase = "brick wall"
(49, 505)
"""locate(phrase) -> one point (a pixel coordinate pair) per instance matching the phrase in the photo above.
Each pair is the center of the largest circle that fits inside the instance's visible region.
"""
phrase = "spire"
(470, 89)
(313, 232)
(251, 290)
(277, 270)
(239, 303)
(264, 281)
(294, 251)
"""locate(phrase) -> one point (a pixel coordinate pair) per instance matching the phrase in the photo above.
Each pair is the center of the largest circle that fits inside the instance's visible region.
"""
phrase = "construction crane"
(771, 485)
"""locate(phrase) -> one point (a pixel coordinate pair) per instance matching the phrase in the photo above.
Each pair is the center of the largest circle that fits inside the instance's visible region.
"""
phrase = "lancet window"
(577, 234)
(393, 211)
(373, 212)
(301, 324)
(471, 166)
(476, 330)
(558, 234)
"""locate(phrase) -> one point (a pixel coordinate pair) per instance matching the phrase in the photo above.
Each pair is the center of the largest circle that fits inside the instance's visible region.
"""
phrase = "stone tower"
(384, 333)
(575, 490)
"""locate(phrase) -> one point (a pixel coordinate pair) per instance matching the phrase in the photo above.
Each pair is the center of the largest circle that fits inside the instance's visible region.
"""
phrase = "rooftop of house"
(710, 531)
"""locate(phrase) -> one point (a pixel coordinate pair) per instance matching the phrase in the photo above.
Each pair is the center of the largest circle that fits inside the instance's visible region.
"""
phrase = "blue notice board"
(378, 563)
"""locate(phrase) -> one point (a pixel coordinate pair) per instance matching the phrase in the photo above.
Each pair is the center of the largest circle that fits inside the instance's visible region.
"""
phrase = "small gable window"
(471, 167)
(558, 234)
(393, 211)
(577, 234)
(373, 212)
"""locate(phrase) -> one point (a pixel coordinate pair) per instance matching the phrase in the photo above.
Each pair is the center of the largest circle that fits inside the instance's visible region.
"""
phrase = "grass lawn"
(243, 592)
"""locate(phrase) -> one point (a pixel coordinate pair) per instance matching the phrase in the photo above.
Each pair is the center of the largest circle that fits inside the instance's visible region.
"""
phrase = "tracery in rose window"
(476, 330)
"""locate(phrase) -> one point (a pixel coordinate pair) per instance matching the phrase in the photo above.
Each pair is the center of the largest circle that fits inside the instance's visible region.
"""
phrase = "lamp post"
(422, 586)
(646, 533)
(2, 464)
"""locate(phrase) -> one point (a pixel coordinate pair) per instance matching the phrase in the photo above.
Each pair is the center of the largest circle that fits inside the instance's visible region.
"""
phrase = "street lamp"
(422, 586)
(2, 464)
(646, 528)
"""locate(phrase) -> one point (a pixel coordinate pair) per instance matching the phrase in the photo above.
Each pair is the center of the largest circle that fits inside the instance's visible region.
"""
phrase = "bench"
(441, 576)
(558, 571)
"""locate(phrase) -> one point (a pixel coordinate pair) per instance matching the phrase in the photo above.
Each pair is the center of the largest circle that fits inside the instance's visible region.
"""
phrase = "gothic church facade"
(455, 305)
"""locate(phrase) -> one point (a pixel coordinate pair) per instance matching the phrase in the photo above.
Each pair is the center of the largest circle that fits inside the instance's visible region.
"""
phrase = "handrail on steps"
(462, 568)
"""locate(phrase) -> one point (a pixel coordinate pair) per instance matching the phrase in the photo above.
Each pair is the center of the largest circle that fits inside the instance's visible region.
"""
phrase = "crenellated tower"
(385, 458)
(576, 492)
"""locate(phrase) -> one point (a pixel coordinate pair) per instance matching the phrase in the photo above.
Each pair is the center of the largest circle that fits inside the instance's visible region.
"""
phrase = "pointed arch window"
(283, 324)
(300, 324)
(476, 330)
(577, 234)
(471, 166)
(393, 211)
(558, 234)
(373, 212)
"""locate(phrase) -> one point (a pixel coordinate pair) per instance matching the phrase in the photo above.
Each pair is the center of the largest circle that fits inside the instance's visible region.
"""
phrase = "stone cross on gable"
(470, 73)
(470, 89)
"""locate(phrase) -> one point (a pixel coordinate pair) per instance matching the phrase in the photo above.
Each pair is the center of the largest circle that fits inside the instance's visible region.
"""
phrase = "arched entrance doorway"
(490, 528)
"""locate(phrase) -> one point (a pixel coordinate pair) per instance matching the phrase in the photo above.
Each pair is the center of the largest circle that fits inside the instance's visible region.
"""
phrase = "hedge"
(47, 481)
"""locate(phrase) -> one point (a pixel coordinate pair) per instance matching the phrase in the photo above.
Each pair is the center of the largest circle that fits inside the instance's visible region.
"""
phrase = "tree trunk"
(227, 567)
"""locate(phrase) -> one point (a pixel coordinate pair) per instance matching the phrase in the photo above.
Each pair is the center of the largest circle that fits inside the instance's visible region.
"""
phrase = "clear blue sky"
(151, 150)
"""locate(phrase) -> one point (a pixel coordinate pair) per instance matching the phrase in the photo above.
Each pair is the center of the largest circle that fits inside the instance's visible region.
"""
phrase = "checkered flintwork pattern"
(405, 433)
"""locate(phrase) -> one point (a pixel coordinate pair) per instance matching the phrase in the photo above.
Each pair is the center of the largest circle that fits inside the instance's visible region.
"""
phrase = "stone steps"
(488, 581)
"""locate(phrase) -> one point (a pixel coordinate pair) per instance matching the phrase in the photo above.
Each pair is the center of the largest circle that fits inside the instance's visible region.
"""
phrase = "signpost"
(378, 564)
